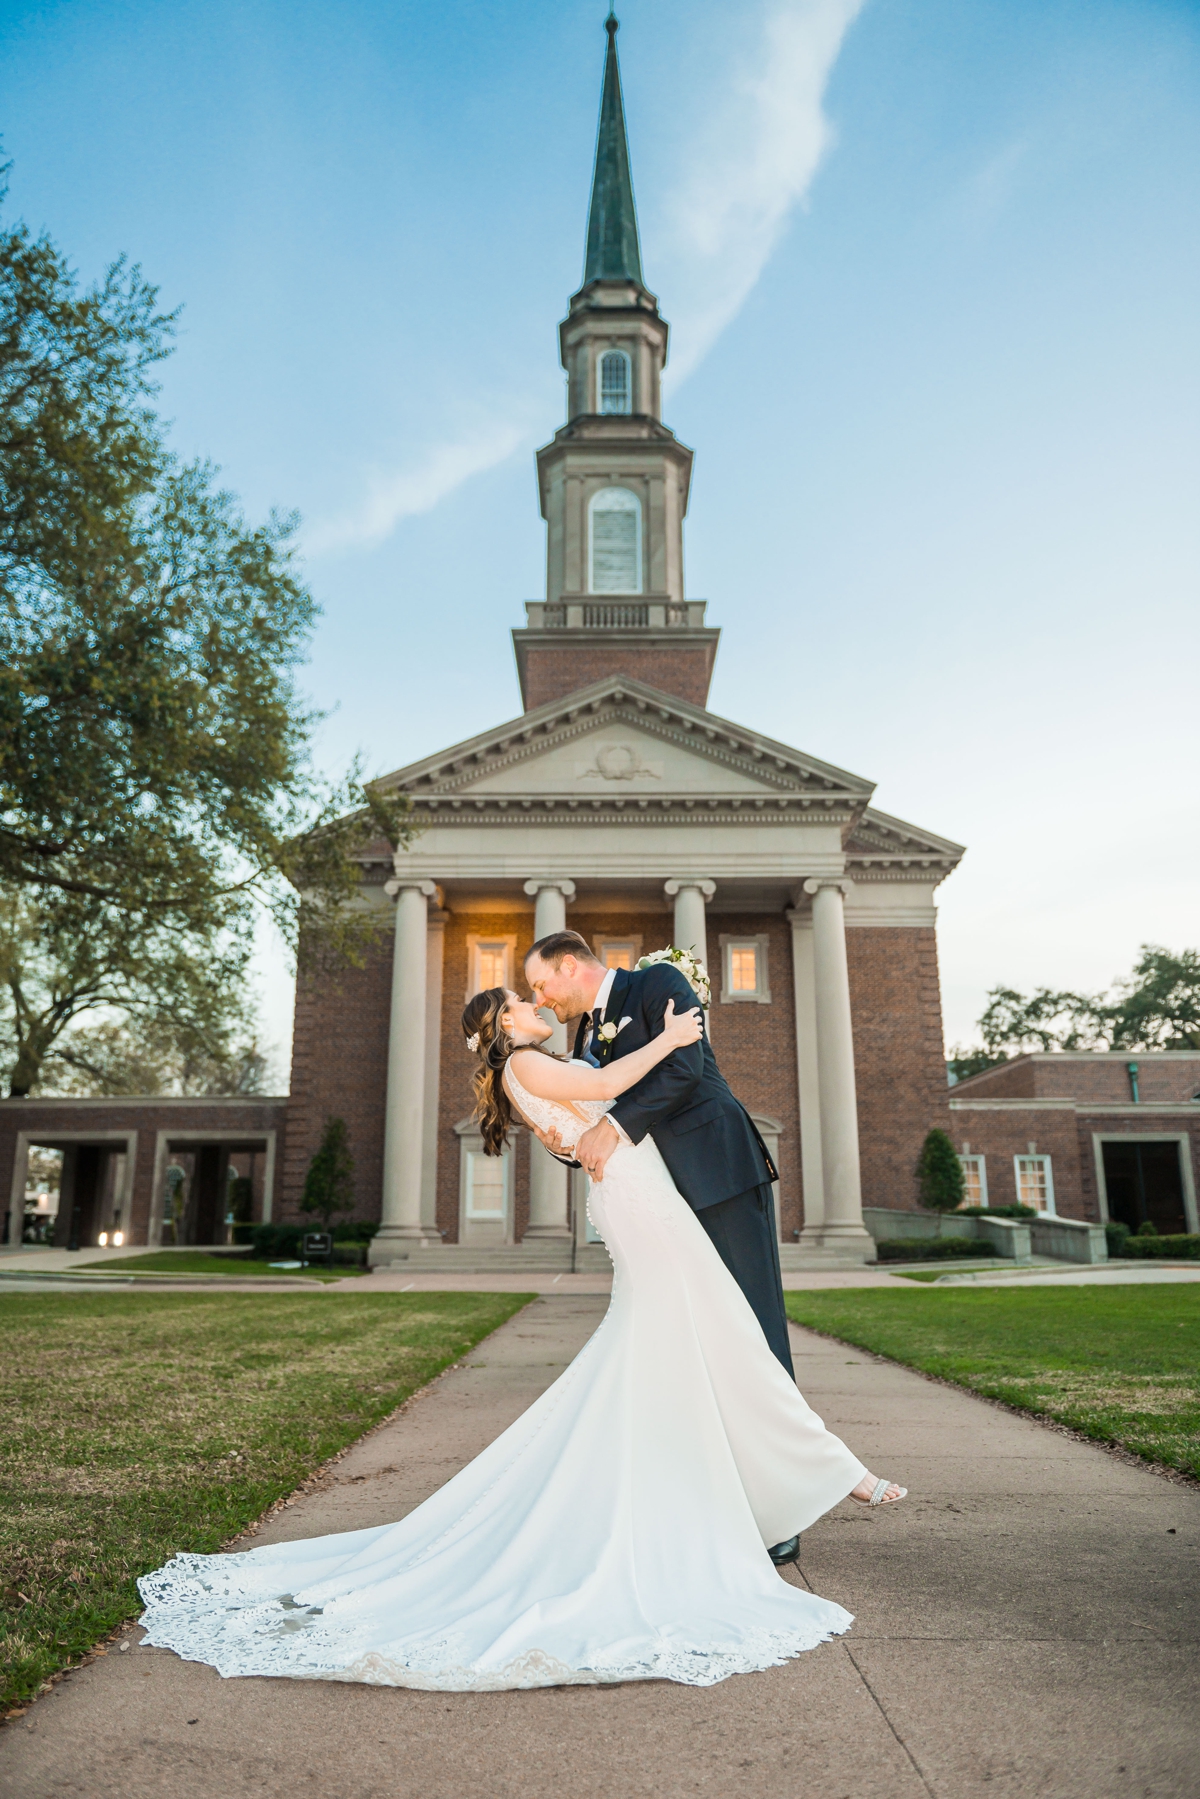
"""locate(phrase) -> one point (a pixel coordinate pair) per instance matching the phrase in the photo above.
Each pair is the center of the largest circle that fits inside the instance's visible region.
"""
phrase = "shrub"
(929, 1249)
(1117, 1235)
(998, 1212)
(940, 1174)
(356, 1230)
(1181, 1248)
(278, 1242)
(329, 1183)
(1147, 1228)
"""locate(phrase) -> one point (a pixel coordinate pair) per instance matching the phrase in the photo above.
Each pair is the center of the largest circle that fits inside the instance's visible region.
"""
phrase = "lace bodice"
(550, 1115)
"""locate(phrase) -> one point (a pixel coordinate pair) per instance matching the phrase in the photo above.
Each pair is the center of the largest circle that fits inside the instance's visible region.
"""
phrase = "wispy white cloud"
(392, 495)
(750, 166)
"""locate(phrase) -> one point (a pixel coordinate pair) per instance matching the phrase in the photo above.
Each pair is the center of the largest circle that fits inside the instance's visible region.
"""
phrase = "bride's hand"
(687, 1028)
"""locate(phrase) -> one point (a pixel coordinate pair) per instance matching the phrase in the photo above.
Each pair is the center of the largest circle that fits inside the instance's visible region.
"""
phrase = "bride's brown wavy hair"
(493, 1108)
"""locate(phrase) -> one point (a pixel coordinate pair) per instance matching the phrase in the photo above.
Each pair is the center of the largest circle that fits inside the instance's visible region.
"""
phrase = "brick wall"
(1102, 1079)
(899, 1058)
(552, 673)
(1154, 1124)
(756, 1048)
(339, 1070)
(46, 1120)
(455, 1101)
(999, 1135)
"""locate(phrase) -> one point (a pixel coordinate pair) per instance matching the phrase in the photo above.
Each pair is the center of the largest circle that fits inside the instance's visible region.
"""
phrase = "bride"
(618, 1530)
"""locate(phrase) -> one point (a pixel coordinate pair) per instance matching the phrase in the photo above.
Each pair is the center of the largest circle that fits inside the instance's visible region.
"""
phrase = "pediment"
(620, 737)
(879, 841)
(617, 754)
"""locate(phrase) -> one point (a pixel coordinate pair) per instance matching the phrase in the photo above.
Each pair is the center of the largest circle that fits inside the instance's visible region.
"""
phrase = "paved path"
(1026, 1625)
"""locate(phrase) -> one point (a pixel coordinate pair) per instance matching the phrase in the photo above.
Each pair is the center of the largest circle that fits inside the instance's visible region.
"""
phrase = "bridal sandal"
(877, 1494)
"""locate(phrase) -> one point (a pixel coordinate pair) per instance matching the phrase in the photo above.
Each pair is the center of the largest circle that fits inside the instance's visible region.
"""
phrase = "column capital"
(398, 883)
(673, 888)
(815, 883)
(536, 884)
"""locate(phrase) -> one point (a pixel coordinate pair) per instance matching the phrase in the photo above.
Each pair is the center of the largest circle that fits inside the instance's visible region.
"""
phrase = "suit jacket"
(704, 1135)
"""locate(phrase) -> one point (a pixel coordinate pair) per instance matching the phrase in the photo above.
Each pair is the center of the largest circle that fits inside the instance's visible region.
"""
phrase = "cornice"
(653, 809)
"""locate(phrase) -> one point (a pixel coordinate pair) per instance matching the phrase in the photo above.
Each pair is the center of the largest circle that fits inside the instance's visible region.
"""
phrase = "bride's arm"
(550, 1079)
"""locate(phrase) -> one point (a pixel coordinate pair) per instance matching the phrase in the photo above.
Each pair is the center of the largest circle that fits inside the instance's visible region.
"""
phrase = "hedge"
(930, 1249)
(997, 1212)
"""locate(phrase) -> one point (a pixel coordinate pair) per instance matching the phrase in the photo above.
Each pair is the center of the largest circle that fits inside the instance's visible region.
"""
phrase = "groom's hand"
(595, 1146)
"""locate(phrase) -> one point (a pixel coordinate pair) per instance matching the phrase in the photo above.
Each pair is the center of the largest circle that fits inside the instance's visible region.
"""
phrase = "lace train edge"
(687, 1666)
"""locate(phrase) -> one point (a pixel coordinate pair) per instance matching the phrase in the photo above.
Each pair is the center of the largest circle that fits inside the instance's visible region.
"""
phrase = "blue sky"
(931, 269)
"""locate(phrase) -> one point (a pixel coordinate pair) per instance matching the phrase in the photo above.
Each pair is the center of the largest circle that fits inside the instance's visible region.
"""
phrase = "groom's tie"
(592, 1040)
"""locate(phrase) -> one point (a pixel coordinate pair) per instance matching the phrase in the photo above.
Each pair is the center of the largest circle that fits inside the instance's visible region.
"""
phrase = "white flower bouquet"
(689, 966)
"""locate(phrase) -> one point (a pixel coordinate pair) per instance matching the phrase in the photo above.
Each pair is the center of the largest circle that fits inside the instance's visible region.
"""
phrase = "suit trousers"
(742, 1230)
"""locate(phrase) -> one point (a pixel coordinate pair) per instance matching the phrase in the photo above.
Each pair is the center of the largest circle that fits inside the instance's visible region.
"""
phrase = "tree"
(940, 1174)
(329, 1183)
(1156, 1007)
(1159, 1005)
(155, 782)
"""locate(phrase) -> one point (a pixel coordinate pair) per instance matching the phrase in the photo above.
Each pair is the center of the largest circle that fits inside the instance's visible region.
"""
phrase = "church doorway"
(1143, 1179)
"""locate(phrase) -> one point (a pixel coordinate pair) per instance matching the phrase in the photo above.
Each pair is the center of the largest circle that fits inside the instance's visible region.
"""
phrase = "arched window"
(616, 385)
(615, 541)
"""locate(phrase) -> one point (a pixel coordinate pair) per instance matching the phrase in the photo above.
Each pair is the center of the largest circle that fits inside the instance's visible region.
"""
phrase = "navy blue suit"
(705, 1136)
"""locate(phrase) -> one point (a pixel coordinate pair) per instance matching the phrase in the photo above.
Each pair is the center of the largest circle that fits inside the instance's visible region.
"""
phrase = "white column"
(843, 1226)
(549, 1193)
(400, 1222)
(804, 983)
(434, 962)
(691, 930)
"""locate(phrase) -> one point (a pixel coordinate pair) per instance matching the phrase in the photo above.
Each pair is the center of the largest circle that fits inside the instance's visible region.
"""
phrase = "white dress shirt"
(589, 1042)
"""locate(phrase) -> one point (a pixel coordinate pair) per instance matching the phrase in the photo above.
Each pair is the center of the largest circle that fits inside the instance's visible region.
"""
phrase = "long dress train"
(617, 1531)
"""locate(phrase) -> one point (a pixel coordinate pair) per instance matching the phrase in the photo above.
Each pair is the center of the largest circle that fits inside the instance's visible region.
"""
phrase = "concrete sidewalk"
(1026, 1625)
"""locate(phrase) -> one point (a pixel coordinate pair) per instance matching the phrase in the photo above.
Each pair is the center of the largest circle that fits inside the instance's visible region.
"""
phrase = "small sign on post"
(318, 1247)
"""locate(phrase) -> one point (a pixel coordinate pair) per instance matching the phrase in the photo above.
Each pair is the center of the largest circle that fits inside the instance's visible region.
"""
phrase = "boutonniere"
(608, 1033)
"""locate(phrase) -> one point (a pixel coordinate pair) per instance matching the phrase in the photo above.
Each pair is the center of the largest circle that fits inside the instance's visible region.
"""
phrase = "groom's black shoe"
(785, 1552)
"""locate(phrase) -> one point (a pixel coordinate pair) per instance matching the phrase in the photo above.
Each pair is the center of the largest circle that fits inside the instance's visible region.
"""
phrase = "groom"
(705, 1136)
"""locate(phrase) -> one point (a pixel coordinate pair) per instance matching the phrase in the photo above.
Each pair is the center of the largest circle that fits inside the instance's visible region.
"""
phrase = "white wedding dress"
(617, 1531)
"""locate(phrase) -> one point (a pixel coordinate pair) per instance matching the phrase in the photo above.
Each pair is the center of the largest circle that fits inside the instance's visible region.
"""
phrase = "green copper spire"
(612, 239)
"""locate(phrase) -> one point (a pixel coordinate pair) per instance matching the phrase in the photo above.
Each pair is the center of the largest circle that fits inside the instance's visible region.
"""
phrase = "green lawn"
(1122, 1365)
(200, 1261)
(138, 1424)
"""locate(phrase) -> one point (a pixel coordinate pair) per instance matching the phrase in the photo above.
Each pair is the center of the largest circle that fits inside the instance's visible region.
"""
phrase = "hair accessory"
(473, 1043)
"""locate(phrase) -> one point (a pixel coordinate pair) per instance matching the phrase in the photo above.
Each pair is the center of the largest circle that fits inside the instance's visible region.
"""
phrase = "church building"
(619, 805)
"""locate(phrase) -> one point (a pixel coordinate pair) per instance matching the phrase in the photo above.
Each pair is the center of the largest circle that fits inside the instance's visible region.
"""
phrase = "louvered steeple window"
(615, 548)
(616, 387)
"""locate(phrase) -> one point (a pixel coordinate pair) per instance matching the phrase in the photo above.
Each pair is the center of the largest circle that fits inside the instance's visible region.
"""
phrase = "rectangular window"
(1035, 1182)
(487, 1186)
(489, 963)
(619, 955)
(744, 969)
(975, 1180)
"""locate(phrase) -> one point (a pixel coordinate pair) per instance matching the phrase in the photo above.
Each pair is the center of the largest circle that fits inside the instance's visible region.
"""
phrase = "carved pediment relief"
(605, 754)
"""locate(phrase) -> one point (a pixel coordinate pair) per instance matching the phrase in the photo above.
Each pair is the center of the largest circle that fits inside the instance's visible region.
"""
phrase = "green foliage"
(1147, 1228)
(1159, 1005)
(155, 783)
(329, 1183)
(998, 1211)
(139, 1425)
(1179, 1247)
(962, 1063)
(278, 1242)
(1119, 1363)
(1156, 1007)
(1116, 1235)
(931, 1249)
(940, 1174)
